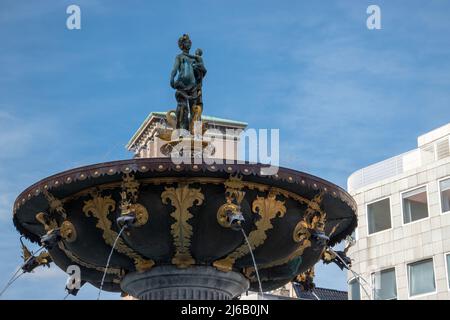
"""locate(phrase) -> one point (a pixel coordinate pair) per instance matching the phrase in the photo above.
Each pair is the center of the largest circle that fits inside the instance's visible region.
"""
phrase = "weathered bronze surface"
(189, 71)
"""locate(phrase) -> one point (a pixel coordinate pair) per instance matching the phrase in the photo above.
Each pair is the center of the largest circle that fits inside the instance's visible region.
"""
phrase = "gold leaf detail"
(100, 207)
(313, 219)
(67, 231)
(141, 213)
(182, 198)
(267, 208)
(234, 183)
(130, 186)
(144, 265)
(48, 223)
(222, 216)
(55, 204)
(234, 197)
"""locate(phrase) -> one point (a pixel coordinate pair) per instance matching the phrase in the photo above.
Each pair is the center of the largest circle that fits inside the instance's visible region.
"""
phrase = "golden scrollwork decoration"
(328, 256)
(69, 234)
(182, 198)
(48, 222)
(306, 279)
(232, 181)
(196, 117)
(267, 208)
(129, 195)
(301, 232)
(222, 213)
(55, 204)
(130, 185)
(137, 209)
(171, 119)
(100, 207)
(233, 197)
(141, 214)
(314, 215)
(312, 220)
(67, 229)
(43, 259)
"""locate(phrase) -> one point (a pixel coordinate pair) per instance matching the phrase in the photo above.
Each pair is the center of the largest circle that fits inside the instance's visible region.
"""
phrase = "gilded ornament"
(55, 204)
(130, 186)
(182, 198)
(129, 205)
(222, 213)
(306, 279)
(43, 259)
(267, 209)
(328, 256)
(100, 207)
(67, 231)
(234, 182)
(312, 220)
(234, 196)
(48, 222)
(141, 214)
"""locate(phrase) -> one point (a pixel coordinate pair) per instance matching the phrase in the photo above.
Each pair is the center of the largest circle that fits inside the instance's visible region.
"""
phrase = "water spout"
(24, 267)
(357, 276)
(108, 261)
(12, 280)
(254, 264)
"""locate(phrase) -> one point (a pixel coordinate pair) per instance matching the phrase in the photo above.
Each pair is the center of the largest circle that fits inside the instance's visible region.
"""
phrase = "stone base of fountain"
(193, 283)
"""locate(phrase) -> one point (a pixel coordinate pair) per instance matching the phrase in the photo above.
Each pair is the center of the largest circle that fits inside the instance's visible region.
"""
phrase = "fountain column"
(193, 283)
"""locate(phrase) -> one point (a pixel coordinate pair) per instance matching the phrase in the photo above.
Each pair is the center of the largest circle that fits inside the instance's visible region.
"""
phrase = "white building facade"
(402, 247)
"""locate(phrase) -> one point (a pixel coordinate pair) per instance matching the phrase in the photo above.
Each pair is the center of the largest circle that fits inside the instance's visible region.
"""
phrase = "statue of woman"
(189, 71)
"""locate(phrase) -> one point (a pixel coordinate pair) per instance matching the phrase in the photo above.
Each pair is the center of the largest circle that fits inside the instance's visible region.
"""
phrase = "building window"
(444, 187)
(415, 205)
(354, 290)
(384, 285)
(421, 277)
(379, 215)
(447, 257)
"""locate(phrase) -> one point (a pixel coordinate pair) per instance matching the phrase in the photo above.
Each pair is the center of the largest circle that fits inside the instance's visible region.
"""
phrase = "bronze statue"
(189, 70)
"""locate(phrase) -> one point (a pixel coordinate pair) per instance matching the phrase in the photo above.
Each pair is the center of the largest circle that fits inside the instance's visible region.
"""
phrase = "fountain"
(156, 229)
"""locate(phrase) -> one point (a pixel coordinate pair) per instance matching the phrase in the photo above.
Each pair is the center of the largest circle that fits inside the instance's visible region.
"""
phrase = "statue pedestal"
(186, 146)
(193, 283)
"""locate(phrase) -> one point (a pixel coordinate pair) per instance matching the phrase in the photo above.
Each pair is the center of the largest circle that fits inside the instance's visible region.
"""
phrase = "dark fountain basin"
(183, 244)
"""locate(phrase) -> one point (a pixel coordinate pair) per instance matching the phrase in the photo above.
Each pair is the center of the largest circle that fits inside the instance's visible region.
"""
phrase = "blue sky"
(342, 96)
